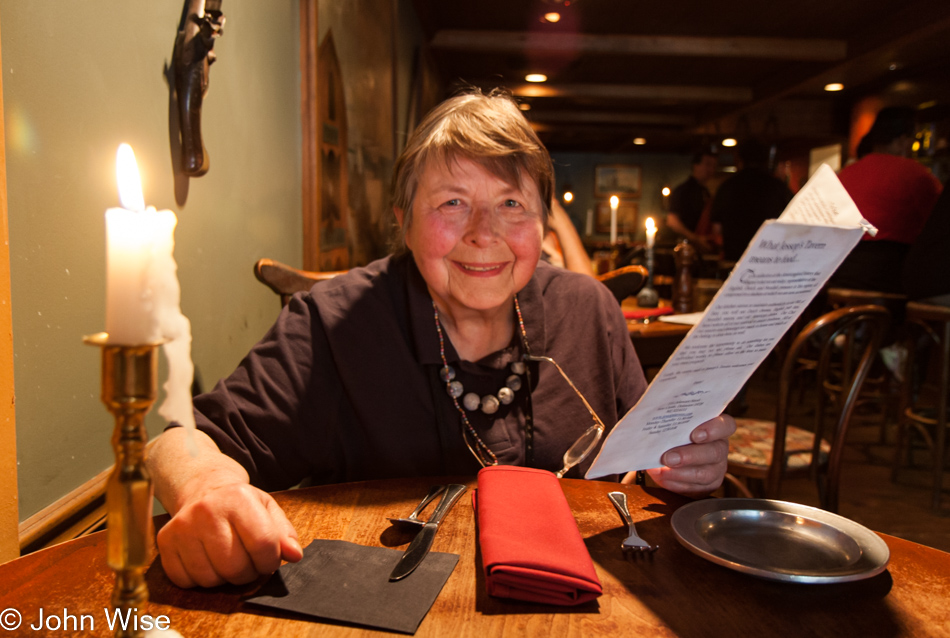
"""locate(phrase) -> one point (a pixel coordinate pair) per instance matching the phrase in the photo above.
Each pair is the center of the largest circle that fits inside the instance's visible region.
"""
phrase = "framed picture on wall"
(627, 213)
(622, 180)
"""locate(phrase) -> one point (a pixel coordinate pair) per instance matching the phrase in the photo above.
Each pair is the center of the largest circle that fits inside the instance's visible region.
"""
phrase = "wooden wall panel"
(9, 511)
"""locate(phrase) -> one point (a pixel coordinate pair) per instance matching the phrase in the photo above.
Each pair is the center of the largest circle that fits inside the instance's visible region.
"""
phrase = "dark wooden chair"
(925, 388)
(880, 395)
(766, 452)
(286, 280)
(880, 390)
(624, 282)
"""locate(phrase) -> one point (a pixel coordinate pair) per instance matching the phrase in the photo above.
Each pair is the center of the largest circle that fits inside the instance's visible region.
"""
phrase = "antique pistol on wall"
(202, 23)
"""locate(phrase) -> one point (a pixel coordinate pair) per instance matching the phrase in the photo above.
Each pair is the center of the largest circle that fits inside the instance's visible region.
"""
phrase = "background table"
(675, 594)
(653, 340)
(656, 340)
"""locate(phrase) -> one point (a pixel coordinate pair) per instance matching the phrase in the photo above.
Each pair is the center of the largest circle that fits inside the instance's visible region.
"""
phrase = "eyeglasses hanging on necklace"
(576, 453)
(586, 442)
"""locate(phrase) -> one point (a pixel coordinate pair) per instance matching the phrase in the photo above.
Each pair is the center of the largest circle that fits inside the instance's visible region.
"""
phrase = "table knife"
(421, 544)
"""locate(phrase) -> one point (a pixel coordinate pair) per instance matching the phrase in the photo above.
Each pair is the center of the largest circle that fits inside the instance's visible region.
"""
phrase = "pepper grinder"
(685, 255)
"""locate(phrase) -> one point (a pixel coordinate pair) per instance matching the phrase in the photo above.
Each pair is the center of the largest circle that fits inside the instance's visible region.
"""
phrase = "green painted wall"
(80, 77)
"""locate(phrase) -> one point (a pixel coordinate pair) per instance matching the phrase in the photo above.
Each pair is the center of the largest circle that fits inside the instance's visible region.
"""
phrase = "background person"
(562, 244)
(689, 214)
(895, 194)
(747, 199)
(926, 272)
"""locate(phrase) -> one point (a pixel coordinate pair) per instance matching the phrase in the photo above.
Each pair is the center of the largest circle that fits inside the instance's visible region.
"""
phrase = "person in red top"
(895, 194)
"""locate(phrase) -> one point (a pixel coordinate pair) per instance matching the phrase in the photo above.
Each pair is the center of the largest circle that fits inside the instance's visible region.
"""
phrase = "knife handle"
(619, 500)
(452, 494)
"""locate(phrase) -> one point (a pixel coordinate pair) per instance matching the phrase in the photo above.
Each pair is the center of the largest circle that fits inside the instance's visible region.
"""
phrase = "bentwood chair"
(764, 453)
(624, 282)
(880, 392)
(286, 280)
(925, 388)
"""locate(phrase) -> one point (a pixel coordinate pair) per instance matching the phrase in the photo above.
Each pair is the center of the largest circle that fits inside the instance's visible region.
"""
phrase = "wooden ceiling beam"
(607, 128)
(636, 92)
(821, 50)
(918, 44)
(600, 117)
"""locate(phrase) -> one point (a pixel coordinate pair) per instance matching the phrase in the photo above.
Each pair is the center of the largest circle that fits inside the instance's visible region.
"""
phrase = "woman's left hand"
(698, 468)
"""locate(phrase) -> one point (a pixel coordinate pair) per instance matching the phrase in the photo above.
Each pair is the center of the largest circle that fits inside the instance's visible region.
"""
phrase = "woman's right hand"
(222, 530)
(229, 533)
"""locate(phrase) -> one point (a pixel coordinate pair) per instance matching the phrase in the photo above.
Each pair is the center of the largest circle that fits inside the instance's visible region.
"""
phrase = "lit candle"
(136, 237)
(142, 292)
(614, 203)
(651, 232)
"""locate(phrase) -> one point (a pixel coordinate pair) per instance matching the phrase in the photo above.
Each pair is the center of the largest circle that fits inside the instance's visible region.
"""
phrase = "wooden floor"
(867, 494)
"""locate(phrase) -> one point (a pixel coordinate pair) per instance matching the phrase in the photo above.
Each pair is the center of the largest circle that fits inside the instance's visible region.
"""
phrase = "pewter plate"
(780, 541)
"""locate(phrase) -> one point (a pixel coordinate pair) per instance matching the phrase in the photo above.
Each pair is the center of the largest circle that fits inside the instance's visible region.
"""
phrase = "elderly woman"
(415, 365)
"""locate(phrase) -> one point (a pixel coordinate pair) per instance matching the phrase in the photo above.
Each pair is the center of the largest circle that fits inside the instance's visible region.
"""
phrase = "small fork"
(633, 544)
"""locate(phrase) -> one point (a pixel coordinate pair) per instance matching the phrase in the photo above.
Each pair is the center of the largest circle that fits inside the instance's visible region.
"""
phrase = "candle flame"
(127, 175)
(651, 225)
(614, 201)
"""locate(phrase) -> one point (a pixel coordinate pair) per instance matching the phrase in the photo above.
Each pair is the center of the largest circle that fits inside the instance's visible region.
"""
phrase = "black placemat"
(339, 580)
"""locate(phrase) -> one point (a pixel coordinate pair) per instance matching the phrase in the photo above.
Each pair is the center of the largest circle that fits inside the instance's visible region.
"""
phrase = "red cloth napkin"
(531, 547)
(643, 313)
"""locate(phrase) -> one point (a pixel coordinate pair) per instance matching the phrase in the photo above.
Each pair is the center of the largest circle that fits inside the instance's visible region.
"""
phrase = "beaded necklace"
(490, 403)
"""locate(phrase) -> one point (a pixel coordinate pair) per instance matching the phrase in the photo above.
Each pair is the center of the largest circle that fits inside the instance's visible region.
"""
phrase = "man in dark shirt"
(928, 262)
(747, 199)
(690, 199)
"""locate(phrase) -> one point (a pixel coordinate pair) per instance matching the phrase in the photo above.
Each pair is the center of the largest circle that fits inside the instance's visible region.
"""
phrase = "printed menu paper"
(781, 271)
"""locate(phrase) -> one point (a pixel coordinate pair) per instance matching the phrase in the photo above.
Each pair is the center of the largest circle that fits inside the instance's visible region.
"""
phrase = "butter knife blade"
(420, 545)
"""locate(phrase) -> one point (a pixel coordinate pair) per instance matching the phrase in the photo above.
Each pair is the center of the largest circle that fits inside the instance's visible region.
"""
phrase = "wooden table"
(675, 594)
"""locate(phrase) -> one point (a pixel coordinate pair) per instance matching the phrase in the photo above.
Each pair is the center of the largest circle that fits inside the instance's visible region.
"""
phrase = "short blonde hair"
(486, 129)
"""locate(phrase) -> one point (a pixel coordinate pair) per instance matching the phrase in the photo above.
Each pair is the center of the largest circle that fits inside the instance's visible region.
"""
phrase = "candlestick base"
(129, 375)
(648, 298)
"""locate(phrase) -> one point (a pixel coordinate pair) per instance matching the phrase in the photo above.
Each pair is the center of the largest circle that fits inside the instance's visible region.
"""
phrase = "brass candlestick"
(648, 297)
(129, 380)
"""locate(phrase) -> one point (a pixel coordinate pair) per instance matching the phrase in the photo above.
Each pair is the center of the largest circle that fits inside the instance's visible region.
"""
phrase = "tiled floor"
(867, 494)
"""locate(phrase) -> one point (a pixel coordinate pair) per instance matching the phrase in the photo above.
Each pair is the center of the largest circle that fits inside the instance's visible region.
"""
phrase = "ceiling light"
(666, 191)
(834, 86)
(639, 141)
(568, 197)
(524, 106)
(553, 16)
(536, 77)
(729, 141)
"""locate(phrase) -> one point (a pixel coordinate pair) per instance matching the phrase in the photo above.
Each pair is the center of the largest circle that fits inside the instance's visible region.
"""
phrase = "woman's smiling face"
(475, 238)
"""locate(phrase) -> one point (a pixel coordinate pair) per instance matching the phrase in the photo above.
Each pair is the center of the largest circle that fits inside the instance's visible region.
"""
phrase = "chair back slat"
(624, 282)
(286, 280)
